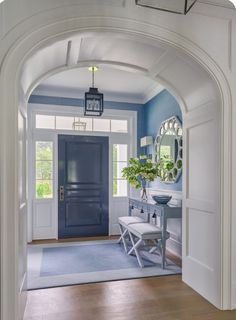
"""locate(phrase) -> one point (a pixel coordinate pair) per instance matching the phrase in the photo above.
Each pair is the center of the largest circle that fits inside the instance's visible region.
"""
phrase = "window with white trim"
(119, 161)
(90, 124)
(44, 169)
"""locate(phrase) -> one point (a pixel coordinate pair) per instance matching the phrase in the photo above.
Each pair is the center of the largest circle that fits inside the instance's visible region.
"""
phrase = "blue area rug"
(85, 262)
(86, 258)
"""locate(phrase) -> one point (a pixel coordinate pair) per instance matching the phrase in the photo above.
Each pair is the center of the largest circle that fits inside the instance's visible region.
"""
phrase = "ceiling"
(117, 85)
(128, 68)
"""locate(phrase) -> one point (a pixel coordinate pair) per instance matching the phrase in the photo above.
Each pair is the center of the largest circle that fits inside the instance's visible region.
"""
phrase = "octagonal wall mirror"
(168, 150)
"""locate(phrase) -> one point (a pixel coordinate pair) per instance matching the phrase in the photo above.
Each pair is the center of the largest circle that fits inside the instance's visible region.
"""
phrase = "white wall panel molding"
(230, 44)
(201, 205)
(202, 200)
(175, 247)
(43, 220)
(164, 61)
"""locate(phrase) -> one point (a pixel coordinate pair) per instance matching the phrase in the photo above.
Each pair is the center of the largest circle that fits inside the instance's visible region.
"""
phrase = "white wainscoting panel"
(118, 209)
(201, 161)
(43, 220)
(200, 225)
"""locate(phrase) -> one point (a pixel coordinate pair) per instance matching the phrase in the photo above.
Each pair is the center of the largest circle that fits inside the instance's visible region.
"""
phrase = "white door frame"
(129, 138)
(11, 97)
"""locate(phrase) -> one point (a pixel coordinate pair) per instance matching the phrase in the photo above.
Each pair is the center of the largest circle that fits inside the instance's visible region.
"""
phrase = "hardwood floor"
(160, 298)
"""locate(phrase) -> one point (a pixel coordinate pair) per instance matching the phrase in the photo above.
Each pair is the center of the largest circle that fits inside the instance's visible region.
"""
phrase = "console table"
(165, 212)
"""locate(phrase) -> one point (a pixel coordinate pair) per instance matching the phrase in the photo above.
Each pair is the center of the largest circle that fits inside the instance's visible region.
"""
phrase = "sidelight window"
(120, 155)
(44, 169)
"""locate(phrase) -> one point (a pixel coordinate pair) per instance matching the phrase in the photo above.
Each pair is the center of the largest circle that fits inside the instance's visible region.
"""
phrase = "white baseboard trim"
(114, 229)
(23, 297)
(23, 285)
(174, 247)
(233, 306)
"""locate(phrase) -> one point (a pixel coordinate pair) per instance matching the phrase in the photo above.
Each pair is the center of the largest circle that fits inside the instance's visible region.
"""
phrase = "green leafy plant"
(142, 170)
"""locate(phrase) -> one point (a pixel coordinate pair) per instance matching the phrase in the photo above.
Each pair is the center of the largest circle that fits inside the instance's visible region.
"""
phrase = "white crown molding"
(115, 97)
(152, 92)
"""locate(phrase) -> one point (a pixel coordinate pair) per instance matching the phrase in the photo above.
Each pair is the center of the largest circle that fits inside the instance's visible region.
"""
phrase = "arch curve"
(17, 83)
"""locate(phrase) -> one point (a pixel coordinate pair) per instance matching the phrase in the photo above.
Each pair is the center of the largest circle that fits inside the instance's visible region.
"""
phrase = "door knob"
(61, 193)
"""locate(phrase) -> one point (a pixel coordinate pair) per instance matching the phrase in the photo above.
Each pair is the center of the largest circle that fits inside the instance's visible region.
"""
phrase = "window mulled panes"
(120, 154)
(44, 169)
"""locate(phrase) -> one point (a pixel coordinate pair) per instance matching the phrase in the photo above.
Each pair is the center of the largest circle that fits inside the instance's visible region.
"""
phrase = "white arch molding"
(14, 100)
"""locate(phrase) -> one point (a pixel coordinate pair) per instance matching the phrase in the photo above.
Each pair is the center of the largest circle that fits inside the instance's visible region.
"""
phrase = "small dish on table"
(161, 199)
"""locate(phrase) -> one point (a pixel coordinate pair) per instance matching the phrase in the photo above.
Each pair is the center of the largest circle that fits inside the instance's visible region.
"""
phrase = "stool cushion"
(146, 231)
(125, 221)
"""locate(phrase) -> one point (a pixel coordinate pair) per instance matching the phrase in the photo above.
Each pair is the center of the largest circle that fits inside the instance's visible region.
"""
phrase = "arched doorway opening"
(203, 95)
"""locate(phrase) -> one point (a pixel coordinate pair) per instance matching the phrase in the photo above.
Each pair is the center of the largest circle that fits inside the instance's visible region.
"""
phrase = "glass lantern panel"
(177, 6)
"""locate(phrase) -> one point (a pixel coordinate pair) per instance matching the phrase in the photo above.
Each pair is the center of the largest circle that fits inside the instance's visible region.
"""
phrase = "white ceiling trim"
(78, 94)
(154, 91)
(52, 91)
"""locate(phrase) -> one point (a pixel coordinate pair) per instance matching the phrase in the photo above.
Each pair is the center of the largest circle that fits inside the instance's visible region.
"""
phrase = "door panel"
(83, 180)
(83, 213)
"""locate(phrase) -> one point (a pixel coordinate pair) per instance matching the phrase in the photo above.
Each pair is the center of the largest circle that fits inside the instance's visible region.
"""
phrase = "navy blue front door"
(82, 186)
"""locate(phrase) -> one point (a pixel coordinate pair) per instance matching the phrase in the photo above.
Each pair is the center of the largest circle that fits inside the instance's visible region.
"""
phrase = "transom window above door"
(87, 123)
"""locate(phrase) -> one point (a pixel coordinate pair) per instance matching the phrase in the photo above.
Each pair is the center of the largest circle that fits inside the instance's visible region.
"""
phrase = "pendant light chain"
(93, 77)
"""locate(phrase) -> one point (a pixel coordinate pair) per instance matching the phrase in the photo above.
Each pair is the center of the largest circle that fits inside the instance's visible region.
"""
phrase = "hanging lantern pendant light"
(174, 6)
(93, 101)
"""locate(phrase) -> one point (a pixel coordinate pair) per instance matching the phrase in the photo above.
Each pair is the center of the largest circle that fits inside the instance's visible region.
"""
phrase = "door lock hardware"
(61, 193)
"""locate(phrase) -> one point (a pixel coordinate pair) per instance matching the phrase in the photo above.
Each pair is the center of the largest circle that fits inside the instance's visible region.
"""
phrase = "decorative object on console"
(161, 199)
(168, 150)
(93, 101)
(140, 171)
(174, 6)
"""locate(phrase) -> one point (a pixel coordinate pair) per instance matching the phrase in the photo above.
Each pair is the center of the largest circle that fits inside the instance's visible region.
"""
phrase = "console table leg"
(164, 227)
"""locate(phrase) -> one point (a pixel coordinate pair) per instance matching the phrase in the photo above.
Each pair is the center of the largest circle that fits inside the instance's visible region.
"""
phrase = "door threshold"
(46, 241)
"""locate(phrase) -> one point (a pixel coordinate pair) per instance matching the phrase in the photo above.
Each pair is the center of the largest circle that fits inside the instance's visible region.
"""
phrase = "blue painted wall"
(149, 118)
(107, 104)
(157, 110)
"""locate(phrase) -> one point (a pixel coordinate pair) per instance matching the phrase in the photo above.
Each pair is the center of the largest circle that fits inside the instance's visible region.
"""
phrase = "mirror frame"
(172, 124)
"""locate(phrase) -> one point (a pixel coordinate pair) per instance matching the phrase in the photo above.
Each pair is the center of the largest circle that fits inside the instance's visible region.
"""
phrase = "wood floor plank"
(162, 298)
